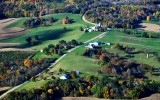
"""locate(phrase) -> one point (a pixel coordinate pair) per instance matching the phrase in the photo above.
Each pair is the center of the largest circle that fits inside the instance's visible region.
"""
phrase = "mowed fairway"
(53, 33)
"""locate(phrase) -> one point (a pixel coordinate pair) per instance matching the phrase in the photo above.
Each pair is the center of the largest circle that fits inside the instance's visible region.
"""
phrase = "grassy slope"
(76, 61)
(140, 44)
(91, 68)
(54, 33)
(153, 21)
(31, 85)
(73, 61)
(42, 55)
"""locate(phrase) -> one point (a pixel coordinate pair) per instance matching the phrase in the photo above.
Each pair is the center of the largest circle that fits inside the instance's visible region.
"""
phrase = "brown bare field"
(3, 89)
(16, 49)
(10, 32)
(150, 27)
(6, 22)
(3, 45)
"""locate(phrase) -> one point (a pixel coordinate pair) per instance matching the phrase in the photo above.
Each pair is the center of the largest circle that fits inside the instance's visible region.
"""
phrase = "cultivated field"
(6, 33)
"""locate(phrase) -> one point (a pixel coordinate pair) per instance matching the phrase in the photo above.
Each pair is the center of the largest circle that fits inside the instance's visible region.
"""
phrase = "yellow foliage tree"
(28, 63)
(106, 92)
(81, 90)
(89, 87)
(50, 91)
(17, 72)
(32, 79)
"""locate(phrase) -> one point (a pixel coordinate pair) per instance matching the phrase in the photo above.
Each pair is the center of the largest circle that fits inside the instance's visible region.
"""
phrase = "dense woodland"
(111, 13)
(89, 86)
(18, 67)
(60, 48)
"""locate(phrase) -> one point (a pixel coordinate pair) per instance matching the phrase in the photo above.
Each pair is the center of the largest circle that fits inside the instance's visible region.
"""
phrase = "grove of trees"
(18, 67)
(61, 47)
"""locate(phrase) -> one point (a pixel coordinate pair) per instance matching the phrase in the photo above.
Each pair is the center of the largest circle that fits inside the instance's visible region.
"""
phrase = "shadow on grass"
(127, 57)
(137, 52)
(46, 35)
(156, 74)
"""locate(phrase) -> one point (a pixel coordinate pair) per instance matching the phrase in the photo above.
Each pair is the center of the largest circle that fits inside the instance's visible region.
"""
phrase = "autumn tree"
(28, 63)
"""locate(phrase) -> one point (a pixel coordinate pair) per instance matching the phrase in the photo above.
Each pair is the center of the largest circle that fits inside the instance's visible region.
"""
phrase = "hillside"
(79, 49)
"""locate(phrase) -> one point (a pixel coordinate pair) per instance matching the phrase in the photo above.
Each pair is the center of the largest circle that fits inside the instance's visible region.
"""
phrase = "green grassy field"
(85, 65)
(53, 33)
(140, 44)
(42, 55)
(31, 85)
(76, 61)
(88, 66)
(153, 21)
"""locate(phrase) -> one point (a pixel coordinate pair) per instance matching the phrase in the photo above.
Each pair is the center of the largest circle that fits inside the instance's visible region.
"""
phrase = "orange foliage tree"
(28, 63)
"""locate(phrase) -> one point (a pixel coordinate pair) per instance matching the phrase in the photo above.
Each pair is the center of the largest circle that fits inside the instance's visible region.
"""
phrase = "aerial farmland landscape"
(79, 49)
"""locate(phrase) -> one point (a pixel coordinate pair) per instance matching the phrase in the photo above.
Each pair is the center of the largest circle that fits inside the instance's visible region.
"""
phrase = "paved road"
(52, 64)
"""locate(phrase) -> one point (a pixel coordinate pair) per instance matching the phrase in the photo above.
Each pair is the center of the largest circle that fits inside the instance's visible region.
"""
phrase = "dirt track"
(4, 88)
(150, 27)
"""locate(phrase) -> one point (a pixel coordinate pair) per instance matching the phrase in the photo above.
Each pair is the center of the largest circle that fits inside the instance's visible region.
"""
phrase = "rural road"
(53, 64)
(87, 21)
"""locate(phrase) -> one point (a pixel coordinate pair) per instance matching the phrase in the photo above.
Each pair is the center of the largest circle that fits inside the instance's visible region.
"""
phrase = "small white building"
(108, 43)
(77, 72)
(63, 78)
(41, 50)
(109, 29)
(92, 45)
(90, 30)
(67, 75)
(94, 28)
